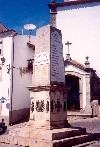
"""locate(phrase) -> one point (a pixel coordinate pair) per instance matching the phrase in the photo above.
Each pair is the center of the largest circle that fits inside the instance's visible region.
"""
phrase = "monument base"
(28, 136)
(48, 106)
(50, 126)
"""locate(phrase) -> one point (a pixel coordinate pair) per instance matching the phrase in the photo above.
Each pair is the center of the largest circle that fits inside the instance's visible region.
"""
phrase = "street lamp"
(29, 27)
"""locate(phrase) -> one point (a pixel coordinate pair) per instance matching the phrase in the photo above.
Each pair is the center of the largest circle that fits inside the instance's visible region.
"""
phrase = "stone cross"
(68, 44)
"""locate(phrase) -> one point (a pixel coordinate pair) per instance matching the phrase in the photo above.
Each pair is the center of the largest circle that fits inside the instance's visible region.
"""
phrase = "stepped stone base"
(78, 114)
(30, 137)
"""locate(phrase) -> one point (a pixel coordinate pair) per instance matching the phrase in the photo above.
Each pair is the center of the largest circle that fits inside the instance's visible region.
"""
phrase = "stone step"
(77, 114)
(66, 142)
(72, 141)
(86, 144)
(56, 134)
(65, 137)
(71, 132)
(9, 145)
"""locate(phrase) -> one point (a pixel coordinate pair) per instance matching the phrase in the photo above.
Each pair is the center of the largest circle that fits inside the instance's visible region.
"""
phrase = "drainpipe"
(12, 63)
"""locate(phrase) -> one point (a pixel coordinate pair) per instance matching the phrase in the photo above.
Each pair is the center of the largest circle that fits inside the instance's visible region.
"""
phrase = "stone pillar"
(81, 92)
(88, 108)
(53, 14)
(48, 90)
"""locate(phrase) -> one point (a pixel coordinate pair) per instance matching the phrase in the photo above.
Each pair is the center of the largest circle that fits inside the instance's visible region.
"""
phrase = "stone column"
(81, 92)
(88, 95)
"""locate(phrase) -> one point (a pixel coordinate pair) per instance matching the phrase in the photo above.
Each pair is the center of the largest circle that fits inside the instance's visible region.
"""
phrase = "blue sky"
(14, 14)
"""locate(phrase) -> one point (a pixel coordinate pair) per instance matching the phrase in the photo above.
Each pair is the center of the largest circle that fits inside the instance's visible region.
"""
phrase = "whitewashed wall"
(18, 90)
(80, 24)
(21, 95)
(5, 87)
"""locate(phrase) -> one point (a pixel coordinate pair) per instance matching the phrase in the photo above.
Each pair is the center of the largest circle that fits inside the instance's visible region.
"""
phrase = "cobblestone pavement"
(10, 128)
(92, 125)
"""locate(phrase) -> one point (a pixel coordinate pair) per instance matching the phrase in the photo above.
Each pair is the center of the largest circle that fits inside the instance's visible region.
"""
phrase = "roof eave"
(69, 3)
(82, 67)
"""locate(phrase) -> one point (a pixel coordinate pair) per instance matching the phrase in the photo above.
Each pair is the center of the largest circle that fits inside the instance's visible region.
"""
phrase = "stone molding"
(47, 88)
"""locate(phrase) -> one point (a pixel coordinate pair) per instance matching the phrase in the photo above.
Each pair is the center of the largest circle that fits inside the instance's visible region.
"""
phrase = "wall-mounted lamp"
(30, 65)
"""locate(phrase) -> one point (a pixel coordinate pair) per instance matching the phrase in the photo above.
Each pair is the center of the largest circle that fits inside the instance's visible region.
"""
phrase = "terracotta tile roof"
(8, 31)
(69, 3)
(78, 65)
(75, 63)
(2, 28)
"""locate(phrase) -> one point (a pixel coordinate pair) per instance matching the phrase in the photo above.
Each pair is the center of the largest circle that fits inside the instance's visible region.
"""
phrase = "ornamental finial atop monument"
(87, 63)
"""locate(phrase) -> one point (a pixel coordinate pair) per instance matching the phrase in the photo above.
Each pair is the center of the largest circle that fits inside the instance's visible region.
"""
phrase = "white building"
(79, 22)
(16, 59)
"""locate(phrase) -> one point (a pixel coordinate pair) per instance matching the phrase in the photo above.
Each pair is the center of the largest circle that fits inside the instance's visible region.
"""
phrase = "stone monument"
(48, 90)
(48, 126)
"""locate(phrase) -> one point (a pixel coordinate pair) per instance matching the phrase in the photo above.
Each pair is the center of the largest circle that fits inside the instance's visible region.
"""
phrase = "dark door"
(73, 100)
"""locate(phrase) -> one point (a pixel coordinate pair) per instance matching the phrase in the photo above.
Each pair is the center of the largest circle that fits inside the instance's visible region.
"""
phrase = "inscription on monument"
(40, 106)
(52, 106)
(32, 107)
(58, 105)
(57, 66)
(41, 58)
(47, 106)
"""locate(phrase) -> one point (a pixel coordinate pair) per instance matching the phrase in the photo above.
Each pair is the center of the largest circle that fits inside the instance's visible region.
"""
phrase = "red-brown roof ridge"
(69, 3)
(75, 63)
(3, 28)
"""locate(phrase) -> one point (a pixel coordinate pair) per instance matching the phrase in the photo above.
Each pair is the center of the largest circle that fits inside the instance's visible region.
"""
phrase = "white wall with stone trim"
(5, 87)
(73, 69)
(80, 24)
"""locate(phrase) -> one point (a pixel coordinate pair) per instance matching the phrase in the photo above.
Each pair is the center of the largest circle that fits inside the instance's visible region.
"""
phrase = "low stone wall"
(18, 115)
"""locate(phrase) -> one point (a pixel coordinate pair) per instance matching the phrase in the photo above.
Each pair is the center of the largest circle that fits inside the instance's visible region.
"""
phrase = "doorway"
(73, 96)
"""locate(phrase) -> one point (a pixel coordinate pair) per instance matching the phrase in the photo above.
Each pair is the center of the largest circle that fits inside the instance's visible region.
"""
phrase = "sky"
(14, 14)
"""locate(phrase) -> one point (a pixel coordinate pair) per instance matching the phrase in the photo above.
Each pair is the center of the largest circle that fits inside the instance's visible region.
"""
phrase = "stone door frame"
(80, 76)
